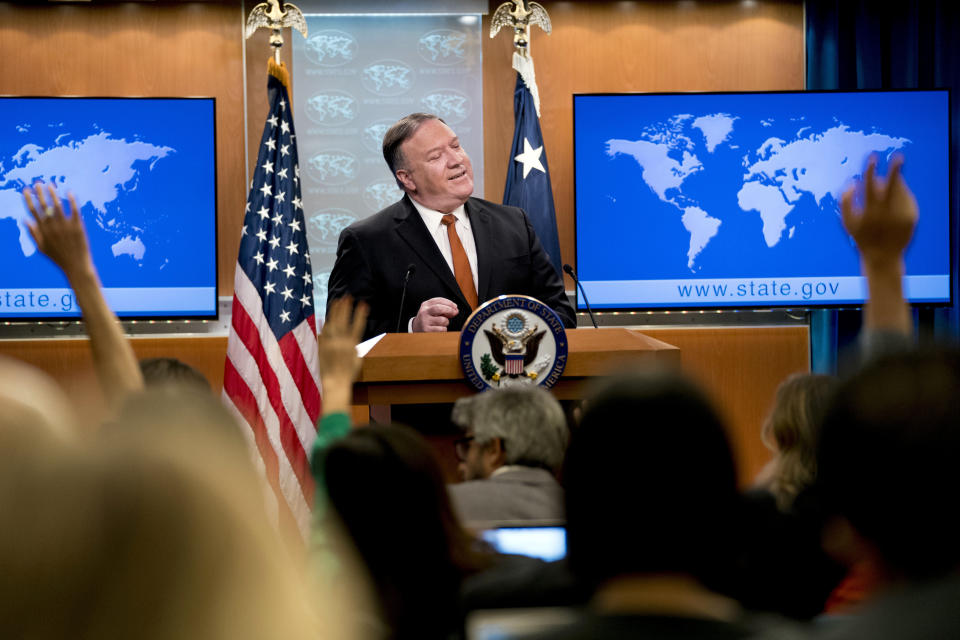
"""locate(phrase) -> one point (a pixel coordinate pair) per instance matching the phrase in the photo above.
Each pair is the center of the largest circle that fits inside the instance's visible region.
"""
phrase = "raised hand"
(61, 238)
(883, 226)
(337, 353)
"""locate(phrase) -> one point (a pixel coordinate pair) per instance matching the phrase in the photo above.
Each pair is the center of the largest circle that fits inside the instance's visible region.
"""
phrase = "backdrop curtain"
(865, 45)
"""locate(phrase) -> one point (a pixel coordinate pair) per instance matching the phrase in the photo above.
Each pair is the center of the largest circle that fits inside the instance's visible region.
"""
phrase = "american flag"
(271, 376)
(528, 176)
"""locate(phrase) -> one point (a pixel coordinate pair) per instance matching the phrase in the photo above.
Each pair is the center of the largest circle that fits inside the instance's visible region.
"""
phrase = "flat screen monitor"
(713, 200)
(143, 171)
(548, 543)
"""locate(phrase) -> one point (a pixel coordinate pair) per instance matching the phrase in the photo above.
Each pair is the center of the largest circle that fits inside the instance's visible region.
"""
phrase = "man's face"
(472, 465)
(437, 171)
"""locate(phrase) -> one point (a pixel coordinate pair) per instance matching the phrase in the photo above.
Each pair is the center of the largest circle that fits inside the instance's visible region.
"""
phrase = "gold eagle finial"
(520, 15)
(269, 14)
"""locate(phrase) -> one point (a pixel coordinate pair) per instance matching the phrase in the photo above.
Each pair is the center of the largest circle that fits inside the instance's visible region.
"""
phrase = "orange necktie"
(461, 266)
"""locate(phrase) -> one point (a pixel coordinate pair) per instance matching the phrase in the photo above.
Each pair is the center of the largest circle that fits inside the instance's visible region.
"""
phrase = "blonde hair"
(791, 431)
(154, 533)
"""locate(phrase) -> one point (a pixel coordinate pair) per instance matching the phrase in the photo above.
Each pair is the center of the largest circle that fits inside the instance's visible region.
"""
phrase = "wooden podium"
(424, 368)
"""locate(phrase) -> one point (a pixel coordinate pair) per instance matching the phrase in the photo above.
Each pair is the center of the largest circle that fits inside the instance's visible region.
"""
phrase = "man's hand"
(883, 227)
(337, 353)
(61, 238)
(435, 314)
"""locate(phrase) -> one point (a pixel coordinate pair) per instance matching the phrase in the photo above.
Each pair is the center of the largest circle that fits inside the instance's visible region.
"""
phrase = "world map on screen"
(143, 172)
(102, 170)
(781, 163)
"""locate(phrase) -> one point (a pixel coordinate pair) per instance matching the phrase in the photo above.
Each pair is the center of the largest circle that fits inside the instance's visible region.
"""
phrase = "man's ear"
(404, 177)
(494, 453)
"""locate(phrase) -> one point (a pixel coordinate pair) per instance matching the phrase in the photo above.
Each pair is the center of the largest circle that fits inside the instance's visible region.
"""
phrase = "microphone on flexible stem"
(569, 271)
(411, 269)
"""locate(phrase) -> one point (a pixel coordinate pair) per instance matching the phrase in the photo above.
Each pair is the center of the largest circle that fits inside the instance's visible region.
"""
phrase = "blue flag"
(528, 177)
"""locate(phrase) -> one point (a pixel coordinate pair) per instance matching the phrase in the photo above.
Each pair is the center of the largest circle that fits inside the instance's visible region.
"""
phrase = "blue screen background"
(143, 171)
(626, 231)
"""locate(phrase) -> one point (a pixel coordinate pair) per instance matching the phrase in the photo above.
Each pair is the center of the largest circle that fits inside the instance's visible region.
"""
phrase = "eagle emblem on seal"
(514, 344)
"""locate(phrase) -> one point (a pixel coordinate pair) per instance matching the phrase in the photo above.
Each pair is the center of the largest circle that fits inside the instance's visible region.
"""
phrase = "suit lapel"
(410, 227)
(483, 238)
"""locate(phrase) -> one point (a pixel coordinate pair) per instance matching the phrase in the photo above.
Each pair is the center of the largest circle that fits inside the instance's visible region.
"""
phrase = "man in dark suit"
(452, 250)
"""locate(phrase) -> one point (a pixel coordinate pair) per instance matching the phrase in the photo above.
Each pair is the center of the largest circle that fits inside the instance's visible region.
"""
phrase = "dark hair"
(887, 459)
(396, 135)
(650, 482)
(170, 371)
(388, 490)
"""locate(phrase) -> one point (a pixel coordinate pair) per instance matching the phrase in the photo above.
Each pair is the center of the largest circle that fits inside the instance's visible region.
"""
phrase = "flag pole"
(271, 380)
(528, 183)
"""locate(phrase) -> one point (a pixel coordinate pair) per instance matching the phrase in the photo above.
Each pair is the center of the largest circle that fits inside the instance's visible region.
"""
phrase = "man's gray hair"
(529, 420)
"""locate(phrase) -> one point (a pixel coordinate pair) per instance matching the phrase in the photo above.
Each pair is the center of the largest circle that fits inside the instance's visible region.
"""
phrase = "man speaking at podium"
(439, 249)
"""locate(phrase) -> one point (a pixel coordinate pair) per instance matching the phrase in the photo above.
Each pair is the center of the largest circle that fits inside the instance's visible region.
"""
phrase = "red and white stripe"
(274, 386)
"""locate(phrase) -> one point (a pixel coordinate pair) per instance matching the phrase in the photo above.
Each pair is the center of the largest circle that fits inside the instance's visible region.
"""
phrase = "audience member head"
(388, 491)
(650, 482)
(518, 426)
(170, 371)
(33, 402)
(887, 460)
(154, 533)
(791, 431)
(182, 413)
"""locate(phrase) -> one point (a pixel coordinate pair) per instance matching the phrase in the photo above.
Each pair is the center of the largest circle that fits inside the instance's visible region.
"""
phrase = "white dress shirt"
(438, 231)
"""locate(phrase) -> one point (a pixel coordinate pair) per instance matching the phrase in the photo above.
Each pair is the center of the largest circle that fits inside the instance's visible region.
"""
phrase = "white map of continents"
(777, 173)
(98, 169)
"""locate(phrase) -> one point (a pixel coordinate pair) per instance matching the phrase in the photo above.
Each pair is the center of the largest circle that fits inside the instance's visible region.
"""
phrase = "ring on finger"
(48, 211)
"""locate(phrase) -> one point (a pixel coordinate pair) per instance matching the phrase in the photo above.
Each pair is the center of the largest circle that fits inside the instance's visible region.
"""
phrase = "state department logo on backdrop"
(331, 108)
(387, 78)
(442, 47)
(451, 105)
(324, 227)
(331, 48)
(372, 135)
(513, 340)
(381, 193)
(332, 167)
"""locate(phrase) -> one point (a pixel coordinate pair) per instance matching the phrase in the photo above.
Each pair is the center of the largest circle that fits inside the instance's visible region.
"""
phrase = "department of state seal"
(513, 340)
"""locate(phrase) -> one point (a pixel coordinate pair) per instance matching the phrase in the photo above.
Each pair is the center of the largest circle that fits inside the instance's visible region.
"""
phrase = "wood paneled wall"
(740, 369)
(613, 47)
(140, 49)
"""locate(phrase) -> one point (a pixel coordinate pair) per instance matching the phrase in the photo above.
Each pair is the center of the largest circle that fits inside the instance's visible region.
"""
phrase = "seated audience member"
(33, 403)
(382, 483)
(63, 239)
(514, 444)
(790, 432)
(781, 566)
(889, 443)
(650, 495)
(882, 226)
(171, 371)
(150, 533)
(888, 471)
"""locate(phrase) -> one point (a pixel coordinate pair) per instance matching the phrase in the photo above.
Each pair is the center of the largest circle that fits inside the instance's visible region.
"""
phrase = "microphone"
(411, 269)
(569, 271)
